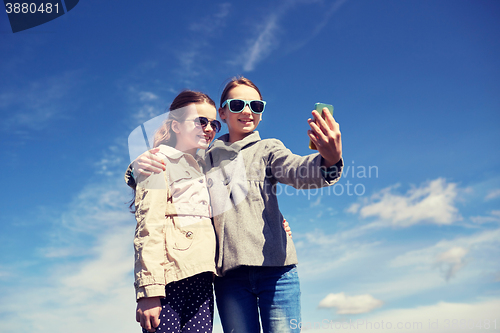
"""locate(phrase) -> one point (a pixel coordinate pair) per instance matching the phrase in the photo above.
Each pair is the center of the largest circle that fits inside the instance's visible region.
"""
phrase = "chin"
(203, 145)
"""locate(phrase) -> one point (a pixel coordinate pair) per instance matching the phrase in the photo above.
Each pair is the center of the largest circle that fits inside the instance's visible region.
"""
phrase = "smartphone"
(319, 107)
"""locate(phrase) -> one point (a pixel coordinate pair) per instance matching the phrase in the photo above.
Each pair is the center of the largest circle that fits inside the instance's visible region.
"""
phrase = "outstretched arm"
(325, 134)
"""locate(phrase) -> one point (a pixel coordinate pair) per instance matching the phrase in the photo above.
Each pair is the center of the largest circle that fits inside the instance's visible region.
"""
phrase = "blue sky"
(410, 234)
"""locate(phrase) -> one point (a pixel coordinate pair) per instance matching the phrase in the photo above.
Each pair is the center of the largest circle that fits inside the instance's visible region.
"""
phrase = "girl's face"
(243, 123)
(191, 135)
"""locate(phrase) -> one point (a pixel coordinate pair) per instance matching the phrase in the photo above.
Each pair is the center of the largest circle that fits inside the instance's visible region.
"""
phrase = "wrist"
(328, 163)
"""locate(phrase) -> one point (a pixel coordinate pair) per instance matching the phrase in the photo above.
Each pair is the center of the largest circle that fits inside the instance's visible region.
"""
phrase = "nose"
(208, 128)
(246, 109)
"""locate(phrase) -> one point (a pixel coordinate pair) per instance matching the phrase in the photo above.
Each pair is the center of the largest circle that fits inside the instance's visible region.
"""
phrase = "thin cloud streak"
(262, 45)
(35, 106)
(266, 41)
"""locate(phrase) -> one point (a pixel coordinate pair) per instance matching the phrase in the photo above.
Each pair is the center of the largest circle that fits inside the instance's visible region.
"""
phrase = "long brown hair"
(165, 135)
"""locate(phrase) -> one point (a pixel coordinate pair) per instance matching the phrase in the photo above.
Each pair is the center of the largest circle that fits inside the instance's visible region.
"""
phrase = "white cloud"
(396, 271)
(450, 257)
(316, 203)
(95, 295)
(87, 282)
(494, 217)
(194, 56)
(431, 202)
(428, 255)
(266, 40)
(147, 96)
(322, 254)
(451, 261)
(350, 304)
(150, 105)
(322, 21)
(34, 106)
(262, 45)
(493, 194)
(442, 317)
(209, 25)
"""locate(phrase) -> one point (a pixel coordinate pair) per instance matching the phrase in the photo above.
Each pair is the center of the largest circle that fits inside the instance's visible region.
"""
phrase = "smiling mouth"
(205, 137)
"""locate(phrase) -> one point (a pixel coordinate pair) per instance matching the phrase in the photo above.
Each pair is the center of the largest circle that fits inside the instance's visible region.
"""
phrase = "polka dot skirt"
(188, 307)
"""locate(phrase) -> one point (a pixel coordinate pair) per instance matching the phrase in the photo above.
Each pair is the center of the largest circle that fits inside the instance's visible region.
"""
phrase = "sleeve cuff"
(155, 290)
(333, 172)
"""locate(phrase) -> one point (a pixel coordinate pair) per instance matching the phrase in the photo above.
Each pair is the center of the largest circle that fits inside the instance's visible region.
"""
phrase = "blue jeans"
(246, 291)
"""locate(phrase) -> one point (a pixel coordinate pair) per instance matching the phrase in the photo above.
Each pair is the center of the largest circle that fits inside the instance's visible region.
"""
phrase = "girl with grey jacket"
(257, 283)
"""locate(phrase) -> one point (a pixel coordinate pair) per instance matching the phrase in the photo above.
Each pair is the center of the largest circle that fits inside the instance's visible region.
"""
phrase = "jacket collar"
(223, 141)
(174, 154)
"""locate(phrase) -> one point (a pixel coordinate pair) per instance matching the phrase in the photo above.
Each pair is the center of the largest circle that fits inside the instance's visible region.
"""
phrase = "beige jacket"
(174, 237)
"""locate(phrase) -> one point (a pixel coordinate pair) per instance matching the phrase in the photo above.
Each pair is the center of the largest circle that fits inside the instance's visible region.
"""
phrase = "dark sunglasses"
(203, 121)
(237, 105)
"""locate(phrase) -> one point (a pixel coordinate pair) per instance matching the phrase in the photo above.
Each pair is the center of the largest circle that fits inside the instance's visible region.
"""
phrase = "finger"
(137, 317)
(151, 151)
(156, 322)
(155, 158)
(151, 166)
(313, 138)
(152, 160)
(320, 135)
(318, 119)
(329, 119)
(152, 326)
(151, 155)
(144, 172)
(145, 323)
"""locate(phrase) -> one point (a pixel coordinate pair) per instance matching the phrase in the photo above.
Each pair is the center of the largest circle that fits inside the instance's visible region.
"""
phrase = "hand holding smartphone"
(319, 107)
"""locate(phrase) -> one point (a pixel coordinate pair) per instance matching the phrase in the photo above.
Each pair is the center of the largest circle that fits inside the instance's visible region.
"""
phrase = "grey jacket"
(242, 179)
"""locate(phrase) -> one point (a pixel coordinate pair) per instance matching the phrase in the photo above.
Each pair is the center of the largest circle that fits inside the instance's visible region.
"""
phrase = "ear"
(222, 113)
(175, 126)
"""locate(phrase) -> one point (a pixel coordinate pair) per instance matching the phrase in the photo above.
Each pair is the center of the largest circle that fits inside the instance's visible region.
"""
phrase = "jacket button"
(189, 234)
(210, 182)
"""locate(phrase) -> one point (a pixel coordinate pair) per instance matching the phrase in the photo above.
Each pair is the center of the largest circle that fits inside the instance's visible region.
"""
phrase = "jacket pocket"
(182, 236)
(184, 239)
